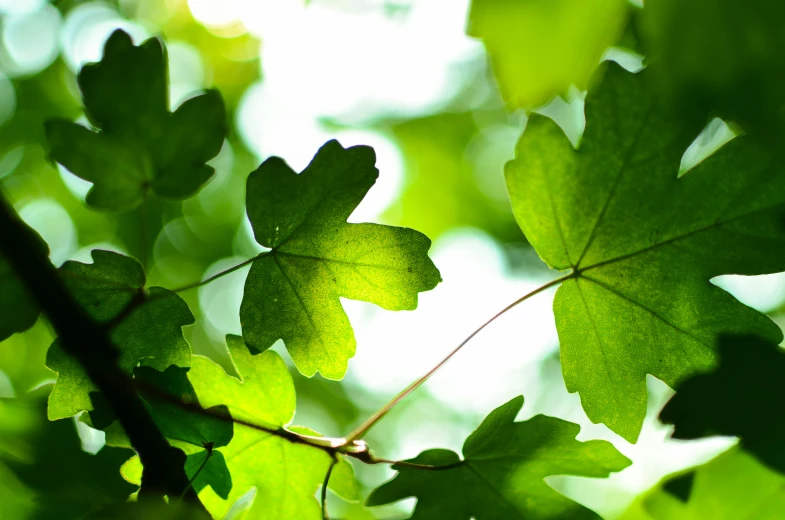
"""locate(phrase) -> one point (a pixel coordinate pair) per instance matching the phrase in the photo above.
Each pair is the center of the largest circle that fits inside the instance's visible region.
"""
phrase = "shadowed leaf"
(743, 397)
(141, 146)
(151, 333)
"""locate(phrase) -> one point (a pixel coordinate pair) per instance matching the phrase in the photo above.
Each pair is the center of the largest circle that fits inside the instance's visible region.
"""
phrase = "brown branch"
(88, 342)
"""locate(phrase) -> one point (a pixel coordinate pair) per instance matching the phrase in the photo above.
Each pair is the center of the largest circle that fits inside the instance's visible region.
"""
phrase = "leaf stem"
(198, 471)
(219, 275)
(144, 232)
(326, 482)
(379, 415)
(414, 465)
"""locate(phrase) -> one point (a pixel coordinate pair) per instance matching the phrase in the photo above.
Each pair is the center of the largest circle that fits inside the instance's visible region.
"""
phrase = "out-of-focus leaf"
(538, 48)
(286, 475)
(732, 486)
(142, 147)
(743, 397)
(447, 197)
(293, 291)
(151, 333)
(18, 310)
(60, 480)
(643, 243)
(502, 473)
(721, 57)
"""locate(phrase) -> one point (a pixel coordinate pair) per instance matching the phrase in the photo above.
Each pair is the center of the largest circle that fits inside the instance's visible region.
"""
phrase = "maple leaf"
(142, 146)
(643, 243)
(174, 405)
(501, 474)
(285, 474)
(742, 397)
(731, 486)
(151, 333)
(292, 292)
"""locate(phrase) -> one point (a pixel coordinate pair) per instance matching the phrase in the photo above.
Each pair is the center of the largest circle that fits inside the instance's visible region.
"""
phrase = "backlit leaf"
(643, 243)
(293, 291)
(501, 475)
(286, 475)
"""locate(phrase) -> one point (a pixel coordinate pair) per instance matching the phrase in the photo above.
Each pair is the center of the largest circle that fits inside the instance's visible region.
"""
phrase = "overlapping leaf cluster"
(638, 241)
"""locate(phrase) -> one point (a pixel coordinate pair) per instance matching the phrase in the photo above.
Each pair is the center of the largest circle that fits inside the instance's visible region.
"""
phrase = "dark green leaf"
(644, 243)
(64, 482)
(174, 407)
(151, 333)
(142, 146)
(18, 310)
(721, 57)
(165, 392)
(743, 397)
(293, 291)
(501, 476)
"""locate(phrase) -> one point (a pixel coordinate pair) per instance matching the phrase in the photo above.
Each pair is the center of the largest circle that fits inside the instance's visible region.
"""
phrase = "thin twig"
(218, 275)
(376, 417)
(329, 445)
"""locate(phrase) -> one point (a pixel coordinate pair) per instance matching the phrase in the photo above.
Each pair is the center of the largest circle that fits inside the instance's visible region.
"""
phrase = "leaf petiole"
(198, 471)
(219, 275)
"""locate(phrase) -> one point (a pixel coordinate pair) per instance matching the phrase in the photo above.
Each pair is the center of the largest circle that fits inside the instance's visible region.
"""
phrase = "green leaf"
(502, 474)
(732, 486)
(721, 57)
(172, 403)
(213, 473)
(292, 292)
(644, 243)
(60, 480)
(743, 397)
(538, 48)
(164, 391)
(198, 435)
(286, 475)
(142, 146)
(151, 333)
(18, 310)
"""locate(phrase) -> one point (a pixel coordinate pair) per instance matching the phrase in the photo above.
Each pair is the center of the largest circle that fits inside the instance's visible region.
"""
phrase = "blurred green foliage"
(721, 57)
(730, 487)
(539, 48)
